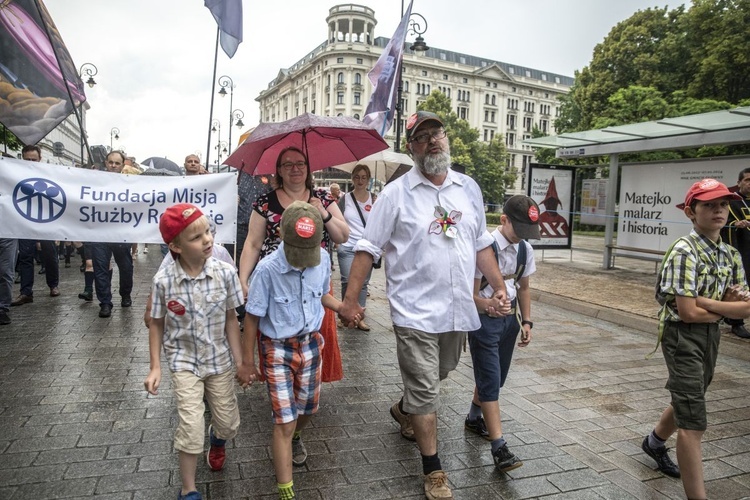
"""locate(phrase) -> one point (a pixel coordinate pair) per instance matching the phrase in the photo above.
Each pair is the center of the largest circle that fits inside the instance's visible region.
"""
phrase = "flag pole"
(213, 93)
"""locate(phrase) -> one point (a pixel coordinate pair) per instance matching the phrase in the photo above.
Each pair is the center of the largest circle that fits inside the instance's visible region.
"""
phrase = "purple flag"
(39, 84)
(384, 77)
(228, 15)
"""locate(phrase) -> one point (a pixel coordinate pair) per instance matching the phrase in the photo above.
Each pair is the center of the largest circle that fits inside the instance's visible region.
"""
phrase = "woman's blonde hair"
(361, 166)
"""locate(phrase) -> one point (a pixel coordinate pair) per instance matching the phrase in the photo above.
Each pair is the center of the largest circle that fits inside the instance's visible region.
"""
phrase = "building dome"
(351, 23)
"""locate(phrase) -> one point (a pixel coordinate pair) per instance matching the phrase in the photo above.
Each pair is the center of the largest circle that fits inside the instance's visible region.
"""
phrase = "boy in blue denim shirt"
(288, 290)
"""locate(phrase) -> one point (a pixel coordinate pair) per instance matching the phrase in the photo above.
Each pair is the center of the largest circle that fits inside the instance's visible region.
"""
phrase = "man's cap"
(301, 232)
(176, 218)
(417, 119)
(523, 212)
(705, 190)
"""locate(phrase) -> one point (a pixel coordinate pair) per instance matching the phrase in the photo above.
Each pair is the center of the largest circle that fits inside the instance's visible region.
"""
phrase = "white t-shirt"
(356, 228)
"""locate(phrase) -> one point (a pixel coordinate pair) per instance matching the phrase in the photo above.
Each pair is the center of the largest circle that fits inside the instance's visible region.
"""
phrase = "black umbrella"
(162, 164)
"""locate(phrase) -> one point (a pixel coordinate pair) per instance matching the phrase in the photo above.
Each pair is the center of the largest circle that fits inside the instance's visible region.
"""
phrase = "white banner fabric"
(55, 202)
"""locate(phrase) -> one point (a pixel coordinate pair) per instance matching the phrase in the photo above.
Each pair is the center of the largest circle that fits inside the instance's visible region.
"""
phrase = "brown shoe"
(363, 326)
(22, 299)
(403, 420)
(54, 292)
(436, 486)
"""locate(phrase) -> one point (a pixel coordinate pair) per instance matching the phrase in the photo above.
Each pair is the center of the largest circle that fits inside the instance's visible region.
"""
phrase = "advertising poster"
(648, 218)
(594, 201)
(551, 186)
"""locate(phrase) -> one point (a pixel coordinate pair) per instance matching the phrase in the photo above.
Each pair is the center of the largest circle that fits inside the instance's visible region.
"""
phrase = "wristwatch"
(527, 322)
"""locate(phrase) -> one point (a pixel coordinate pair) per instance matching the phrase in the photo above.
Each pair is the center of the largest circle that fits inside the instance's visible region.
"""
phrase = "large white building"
(496, 98)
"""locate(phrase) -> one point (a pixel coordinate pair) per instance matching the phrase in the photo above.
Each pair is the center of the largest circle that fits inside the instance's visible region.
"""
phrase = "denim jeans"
(26, 252)
(346, 257)
(8, 251)
(101, 254)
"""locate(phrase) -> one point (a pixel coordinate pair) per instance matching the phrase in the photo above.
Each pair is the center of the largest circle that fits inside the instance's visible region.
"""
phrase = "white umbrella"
(382, 164)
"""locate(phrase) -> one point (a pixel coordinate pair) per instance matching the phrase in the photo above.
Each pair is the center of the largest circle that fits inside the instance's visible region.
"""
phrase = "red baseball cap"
(705, 190)
(176, 218)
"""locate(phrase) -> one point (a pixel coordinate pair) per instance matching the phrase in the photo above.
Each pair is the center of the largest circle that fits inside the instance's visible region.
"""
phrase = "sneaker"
(87, 295)
(478, 427)
(42, 270)
(403, 420)
(217, 452)
(126, 301)
(287, 494)
(505, 460)
(193, 495)
(54, 292)
(299, 452)
(436, 486)
(105, 311)
(4, 318)
(23, 299)
(661, 457)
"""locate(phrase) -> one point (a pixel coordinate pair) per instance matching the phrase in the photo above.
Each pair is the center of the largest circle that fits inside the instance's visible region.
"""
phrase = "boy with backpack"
(701, 281)
(492, 345)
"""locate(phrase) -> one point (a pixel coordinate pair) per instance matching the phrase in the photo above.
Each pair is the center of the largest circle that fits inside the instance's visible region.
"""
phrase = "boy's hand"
(525, 336)
(350, 312)
(152, 381)
(247, 373)
(735, 293)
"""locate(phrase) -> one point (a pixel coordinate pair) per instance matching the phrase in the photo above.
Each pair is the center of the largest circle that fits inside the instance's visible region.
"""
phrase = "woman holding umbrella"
(294, 183)
(356, 207)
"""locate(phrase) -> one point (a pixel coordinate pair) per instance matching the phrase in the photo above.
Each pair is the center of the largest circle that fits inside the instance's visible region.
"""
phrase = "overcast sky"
(155, 57)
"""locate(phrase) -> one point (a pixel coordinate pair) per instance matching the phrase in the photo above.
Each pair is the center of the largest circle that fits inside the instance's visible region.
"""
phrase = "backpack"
(520, 263)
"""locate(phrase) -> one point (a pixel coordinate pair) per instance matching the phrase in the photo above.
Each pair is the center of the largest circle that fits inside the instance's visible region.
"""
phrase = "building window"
(462, 60)
(487, 98)
(493, 100)
(557, 79)
(424, 73)
(492, 116)
(488, 83)
(513, 89)
(486, 115)
(359, 60)
(340, 98)
(442, 56)
(544, 77)
(512, 71)
(510, 139)
(340, 78)
(528, 73)
(445, 77)
(357, 79)
(510, 121)
(340, 60)
(466, 80)
(494, 85)
(406, 86)
(485, 135)
(357, 98)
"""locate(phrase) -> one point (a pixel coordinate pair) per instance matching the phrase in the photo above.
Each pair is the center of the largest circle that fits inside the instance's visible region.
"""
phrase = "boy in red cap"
(701, 281)
(194, 321)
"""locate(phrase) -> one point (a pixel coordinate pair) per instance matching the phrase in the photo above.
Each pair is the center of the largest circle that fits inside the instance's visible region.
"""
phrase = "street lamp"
(89, 70)
(221, 148)
(419, 46)
(216, 128)
(238, 115)
(225, 82)
(114, 134)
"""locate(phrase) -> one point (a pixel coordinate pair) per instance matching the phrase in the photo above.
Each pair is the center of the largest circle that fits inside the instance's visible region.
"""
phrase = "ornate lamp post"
(114, 134)
(225, 82)
(221, 149)
(419, 46)
(87, 69)
(238, 115)
(216, 127)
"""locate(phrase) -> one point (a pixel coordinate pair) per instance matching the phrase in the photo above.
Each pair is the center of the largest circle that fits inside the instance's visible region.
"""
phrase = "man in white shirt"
(429, 226)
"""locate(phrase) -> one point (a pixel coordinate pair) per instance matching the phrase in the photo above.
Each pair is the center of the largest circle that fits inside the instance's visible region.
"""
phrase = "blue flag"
(384, 77)
(228, 15)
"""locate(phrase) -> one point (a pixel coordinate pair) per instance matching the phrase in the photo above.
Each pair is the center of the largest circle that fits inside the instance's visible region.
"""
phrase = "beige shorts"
(424, 360)
(225, 416)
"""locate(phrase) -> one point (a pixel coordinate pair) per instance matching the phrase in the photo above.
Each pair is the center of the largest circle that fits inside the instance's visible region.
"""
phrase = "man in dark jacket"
(737, 234)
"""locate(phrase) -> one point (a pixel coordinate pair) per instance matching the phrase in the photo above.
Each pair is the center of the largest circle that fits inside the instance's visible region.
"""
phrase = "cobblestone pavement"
(75, 421)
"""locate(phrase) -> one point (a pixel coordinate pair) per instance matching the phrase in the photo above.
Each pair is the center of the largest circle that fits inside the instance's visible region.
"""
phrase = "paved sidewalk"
(75, 421)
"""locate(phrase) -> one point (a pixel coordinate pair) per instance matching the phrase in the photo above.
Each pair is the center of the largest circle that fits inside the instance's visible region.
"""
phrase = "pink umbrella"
(326, 141)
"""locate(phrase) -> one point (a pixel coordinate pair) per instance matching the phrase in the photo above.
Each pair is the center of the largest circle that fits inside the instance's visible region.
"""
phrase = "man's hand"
(350, 312)
(153, 381)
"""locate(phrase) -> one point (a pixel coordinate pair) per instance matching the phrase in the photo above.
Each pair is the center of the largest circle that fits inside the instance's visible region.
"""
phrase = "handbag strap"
(359, 210)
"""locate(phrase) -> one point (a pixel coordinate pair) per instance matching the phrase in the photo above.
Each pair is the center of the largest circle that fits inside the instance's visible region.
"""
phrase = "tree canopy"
(484, 162)
(661, 63)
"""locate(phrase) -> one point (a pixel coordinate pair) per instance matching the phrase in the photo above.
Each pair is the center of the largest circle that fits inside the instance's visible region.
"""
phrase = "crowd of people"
(286, 337)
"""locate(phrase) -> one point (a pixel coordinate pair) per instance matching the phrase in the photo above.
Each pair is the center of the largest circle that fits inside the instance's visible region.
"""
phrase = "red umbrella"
(326, 141)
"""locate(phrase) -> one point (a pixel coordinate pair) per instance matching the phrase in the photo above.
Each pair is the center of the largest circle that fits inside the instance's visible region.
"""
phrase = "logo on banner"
(39, 200)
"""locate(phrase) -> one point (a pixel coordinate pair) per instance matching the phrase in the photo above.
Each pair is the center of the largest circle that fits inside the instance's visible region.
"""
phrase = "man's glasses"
(299, 165)
(425, 138)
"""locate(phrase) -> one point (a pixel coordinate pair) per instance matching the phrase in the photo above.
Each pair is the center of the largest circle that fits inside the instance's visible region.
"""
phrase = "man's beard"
(433, 164)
